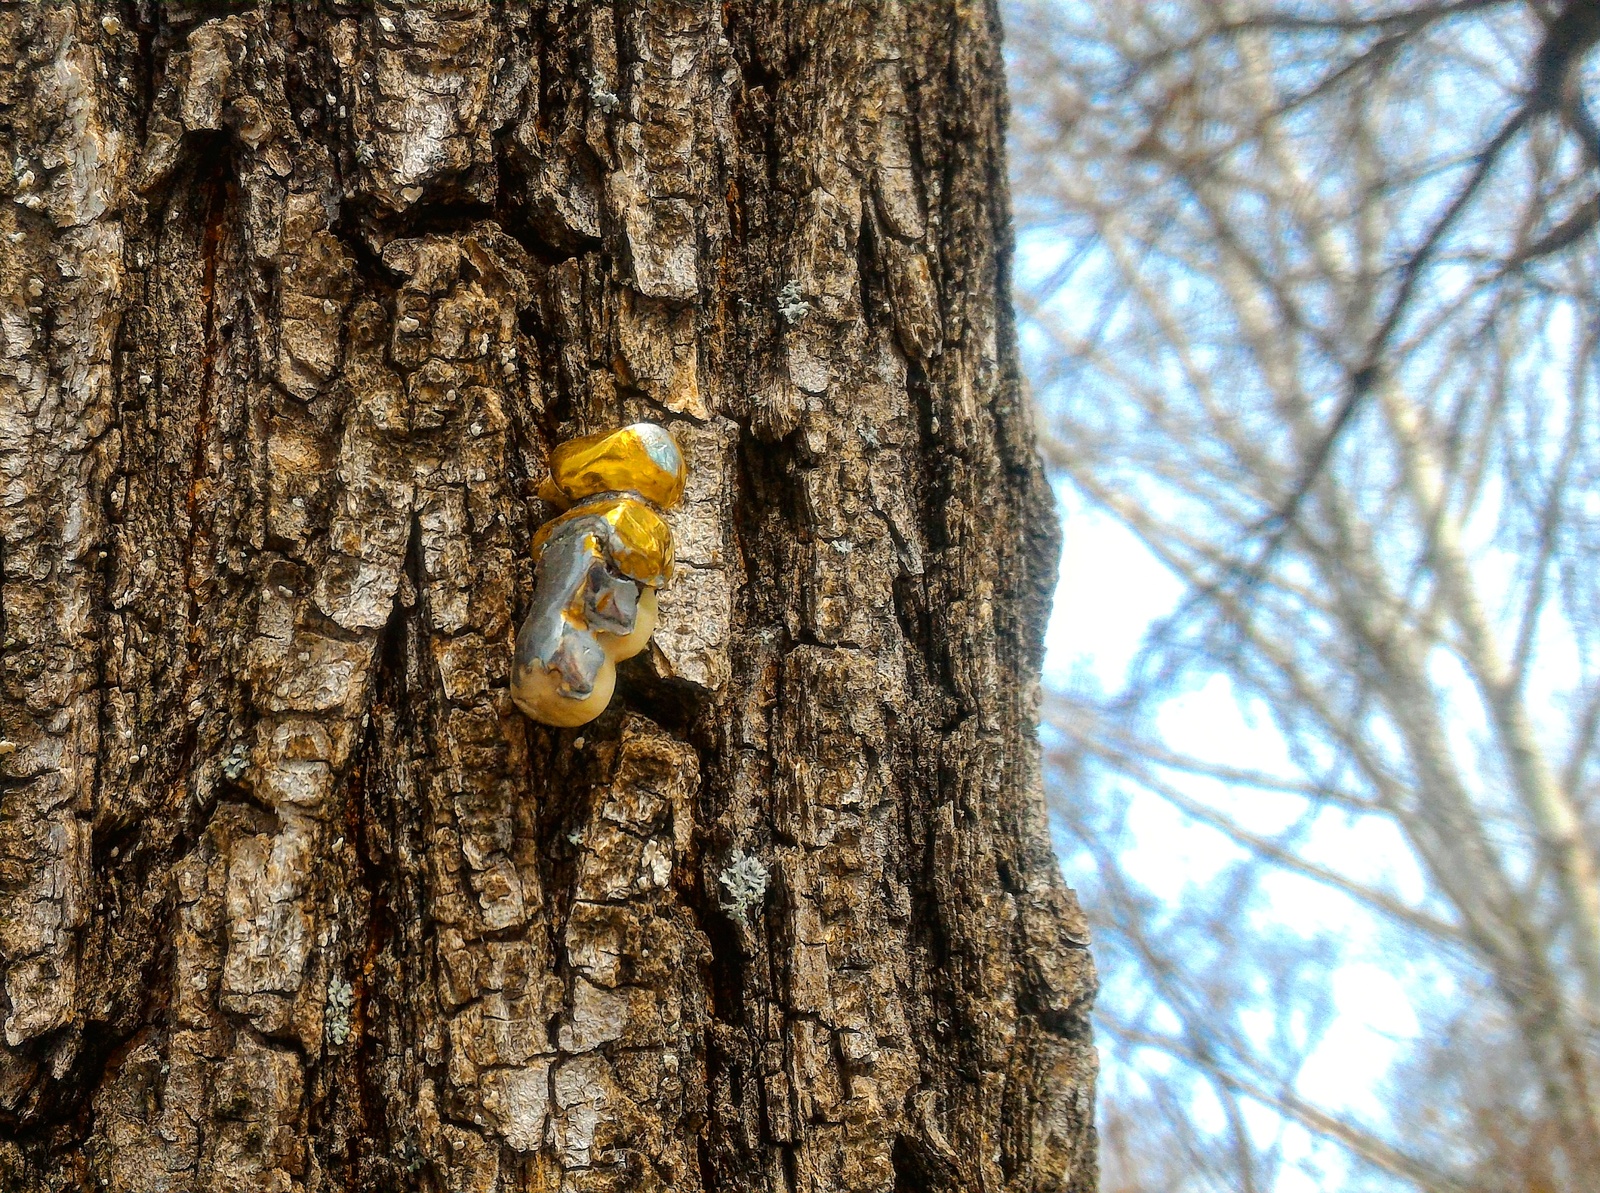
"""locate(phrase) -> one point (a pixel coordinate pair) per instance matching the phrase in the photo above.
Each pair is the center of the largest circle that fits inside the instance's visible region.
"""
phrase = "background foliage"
(1310, 292)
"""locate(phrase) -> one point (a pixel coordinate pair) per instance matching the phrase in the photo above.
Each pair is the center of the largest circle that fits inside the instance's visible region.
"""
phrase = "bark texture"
(293, 300)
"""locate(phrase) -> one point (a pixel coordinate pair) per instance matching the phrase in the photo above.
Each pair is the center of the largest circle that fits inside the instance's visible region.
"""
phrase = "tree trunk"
(294, 298)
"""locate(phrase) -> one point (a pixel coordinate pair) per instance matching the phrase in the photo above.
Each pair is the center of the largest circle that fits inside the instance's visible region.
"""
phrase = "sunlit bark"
(294, 299)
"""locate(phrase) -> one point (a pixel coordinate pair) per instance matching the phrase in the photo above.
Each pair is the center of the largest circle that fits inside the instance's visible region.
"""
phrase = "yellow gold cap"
(642, 458)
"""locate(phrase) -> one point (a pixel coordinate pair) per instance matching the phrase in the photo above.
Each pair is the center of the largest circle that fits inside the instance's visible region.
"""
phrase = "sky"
(1110, 590)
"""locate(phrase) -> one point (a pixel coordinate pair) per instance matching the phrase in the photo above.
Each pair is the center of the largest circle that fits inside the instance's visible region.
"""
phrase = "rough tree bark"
(293, 299)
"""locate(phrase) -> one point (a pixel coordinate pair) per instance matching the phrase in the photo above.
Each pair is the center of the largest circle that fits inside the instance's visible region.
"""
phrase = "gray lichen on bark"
(293, 301)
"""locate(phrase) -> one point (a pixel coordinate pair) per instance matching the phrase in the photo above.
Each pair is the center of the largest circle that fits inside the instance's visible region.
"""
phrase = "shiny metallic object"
(597, 569)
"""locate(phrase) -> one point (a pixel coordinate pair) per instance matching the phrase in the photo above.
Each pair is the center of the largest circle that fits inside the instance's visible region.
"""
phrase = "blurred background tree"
(1311, 293)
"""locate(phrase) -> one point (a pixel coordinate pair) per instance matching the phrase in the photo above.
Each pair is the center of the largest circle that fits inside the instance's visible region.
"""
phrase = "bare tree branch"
(1263, 207)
